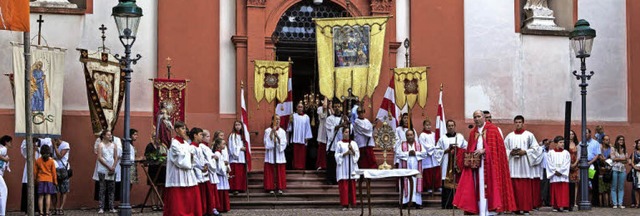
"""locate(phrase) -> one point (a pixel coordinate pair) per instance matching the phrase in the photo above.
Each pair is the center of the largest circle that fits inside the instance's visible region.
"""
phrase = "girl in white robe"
(219, 145)
(347, 155)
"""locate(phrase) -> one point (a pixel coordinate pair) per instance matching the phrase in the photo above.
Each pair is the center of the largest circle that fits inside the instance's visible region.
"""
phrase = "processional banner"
(45, 87)
(271, 78)
(349, 55)
(411, 86)
(169, 94)
(105, 88)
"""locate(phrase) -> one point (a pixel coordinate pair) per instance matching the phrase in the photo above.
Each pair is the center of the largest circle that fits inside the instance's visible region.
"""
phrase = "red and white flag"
(389, 106)
(244, 119)
(285, 109)
(441, 124)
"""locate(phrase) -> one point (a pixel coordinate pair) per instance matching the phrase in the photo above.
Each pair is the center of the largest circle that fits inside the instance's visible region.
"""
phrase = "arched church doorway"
(296, 39)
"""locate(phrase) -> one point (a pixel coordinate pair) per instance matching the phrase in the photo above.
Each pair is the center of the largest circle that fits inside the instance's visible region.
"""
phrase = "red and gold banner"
(168, 105)
(170, 95)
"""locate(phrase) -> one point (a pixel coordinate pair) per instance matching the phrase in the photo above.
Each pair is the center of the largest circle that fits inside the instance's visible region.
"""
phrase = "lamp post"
(127, 16)
(582, 40)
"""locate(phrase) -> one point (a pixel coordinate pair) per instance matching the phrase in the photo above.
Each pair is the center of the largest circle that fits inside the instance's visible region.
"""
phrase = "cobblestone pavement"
(378, 211)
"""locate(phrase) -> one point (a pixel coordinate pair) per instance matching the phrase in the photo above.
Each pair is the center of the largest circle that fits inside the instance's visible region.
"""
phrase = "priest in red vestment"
(487, 189)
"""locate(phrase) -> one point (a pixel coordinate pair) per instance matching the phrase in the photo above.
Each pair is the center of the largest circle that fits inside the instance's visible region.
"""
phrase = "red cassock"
(181, 201)
(208, 199)
(223, 201)
(322, 156)
(239, 180)
(559, 194)
(299, 156)
(535, 189)
(269, 177)
(522, 187)
(367, 158)
(432, 178)
(344, 186)
(498, 190)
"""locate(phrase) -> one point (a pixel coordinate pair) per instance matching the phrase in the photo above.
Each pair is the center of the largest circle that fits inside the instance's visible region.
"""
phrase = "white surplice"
(322, 118)
(428, 142)
(211, 163)
(412, 163)
(520, 166)
(443, 144)
(280, 144)
(342, 161)
(363, 133)
(235, 144)
(180, 164)
(200, 162)
(333, 136)
(558, 162)
(301, 126)
(223, 170)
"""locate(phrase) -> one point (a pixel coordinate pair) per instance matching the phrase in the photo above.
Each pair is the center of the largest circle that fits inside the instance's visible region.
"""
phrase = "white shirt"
(560, 162)
(443, 144)
(3, 164)
(180, 165)
(342, 161)
(280, 144)
(118, 143)
(520, 166)
(64, 161)
(363, 133)
(301, 129)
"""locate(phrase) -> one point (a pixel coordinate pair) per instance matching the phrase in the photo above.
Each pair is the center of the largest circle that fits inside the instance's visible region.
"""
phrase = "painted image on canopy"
(351, 45)
(103, 83)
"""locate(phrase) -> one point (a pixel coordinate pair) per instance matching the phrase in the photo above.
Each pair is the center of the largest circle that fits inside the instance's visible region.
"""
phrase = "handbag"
(64, 173)
(471, 160)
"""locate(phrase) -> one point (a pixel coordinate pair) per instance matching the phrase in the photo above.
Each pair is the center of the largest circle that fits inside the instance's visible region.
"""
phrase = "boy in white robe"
(522, 145)
(301, 128)
(558, 165)
(431, 163)
(181, 194)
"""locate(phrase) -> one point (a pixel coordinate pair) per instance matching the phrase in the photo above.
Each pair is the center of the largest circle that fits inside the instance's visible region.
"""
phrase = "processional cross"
(104, 37)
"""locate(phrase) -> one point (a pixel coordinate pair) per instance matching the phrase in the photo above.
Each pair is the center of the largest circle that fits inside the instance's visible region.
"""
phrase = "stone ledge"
(561, 33)
(50, 10)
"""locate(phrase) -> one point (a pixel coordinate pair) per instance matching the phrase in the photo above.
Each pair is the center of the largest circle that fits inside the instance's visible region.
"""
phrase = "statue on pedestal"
(539, 16)
(53, 4)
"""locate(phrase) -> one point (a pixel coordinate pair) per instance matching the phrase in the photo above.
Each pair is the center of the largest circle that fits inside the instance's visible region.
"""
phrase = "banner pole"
(27, 115)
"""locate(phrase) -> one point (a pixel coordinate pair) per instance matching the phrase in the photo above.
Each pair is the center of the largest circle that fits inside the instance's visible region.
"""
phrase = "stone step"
(273, 203)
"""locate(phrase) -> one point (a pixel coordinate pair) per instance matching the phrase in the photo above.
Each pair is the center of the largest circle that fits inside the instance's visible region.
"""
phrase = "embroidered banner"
(169, 106)
(349, 55)
(271, 78)
(46, 86)
(105, 88)
(411, 85)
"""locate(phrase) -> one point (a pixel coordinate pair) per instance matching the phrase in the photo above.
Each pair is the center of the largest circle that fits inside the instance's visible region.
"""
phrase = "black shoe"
(419, 207)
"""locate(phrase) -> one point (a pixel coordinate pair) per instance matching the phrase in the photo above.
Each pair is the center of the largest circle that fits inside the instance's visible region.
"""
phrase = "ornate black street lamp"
(582, 40)
(127, 16)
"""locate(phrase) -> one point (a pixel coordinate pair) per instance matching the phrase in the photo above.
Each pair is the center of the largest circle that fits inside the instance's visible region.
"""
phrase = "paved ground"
(379, 211)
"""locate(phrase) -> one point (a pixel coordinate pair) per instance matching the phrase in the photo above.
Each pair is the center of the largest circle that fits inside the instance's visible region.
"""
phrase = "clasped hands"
(518, 152)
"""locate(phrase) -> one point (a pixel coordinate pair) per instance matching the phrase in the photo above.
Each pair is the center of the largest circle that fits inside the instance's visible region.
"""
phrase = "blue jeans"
(617, 187)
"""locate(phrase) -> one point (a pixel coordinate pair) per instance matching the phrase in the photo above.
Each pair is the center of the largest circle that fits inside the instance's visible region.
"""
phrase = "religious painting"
(351, 45)
(103, 82)
(38, 86)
